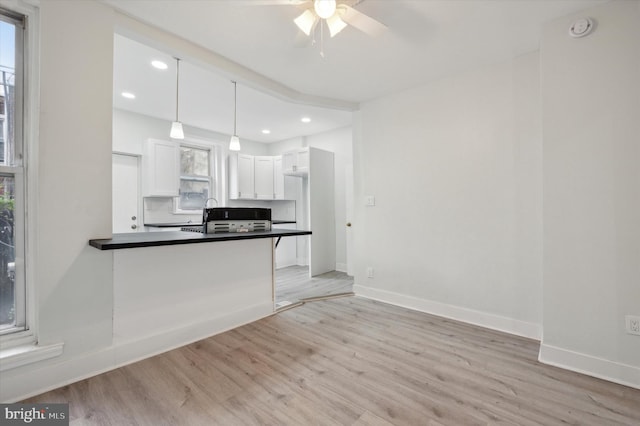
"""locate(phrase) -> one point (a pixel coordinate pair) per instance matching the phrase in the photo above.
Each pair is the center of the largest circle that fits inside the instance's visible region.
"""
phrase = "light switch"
(370, 200)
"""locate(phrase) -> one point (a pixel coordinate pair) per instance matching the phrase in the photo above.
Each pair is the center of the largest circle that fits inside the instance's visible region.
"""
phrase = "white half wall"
(591, 117)
(455, 168)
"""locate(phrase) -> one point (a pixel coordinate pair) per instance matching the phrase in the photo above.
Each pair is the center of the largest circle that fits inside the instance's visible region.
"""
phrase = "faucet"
(205, 217)
(207, 202)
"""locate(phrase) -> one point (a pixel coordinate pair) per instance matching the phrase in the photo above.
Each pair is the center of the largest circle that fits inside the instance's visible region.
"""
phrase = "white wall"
(73, 282)
(455, 167)
(591, 117)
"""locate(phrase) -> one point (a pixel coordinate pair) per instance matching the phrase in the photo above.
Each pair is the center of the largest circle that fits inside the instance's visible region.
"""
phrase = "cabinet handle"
(348, 224)
(134, 226)
(133, 218)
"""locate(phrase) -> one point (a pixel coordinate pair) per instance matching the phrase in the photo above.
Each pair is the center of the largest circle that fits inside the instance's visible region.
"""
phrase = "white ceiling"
(206, 98)
(424, 41)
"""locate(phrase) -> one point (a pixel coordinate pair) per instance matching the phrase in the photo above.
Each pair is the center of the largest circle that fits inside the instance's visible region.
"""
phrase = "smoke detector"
(582, 27)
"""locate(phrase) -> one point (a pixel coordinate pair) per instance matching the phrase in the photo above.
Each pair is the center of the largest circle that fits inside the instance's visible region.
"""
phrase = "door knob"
(348, 224)
(134, 226)
(133, 218)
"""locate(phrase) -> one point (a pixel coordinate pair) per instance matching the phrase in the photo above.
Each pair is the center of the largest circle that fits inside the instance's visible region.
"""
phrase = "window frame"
(25, 167)
(214, 150)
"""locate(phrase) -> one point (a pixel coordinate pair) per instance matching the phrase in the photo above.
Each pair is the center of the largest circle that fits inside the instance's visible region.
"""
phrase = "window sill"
(18, 356)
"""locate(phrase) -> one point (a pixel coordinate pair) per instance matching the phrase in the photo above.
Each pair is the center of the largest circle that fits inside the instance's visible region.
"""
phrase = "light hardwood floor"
(349, 361)
(294, 284)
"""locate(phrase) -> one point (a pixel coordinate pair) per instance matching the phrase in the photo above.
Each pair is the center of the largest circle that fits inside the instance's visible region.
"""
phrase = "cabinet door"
(302, 161)
(246, 185)
(278, 178)
(289, 162)
(264, 178)
(161, 168)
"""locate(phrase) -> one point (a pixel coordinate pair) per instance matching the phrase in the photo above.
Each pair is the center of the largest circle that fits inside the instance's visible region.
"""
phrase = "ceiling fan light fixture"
(306, 21)
(335, 24)
(325, 8)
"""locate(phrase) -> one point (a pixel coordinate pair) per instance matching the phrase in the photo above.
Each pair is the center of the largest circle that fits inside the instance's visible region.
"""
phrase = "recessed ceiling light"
(128, 95)
(159, 65)
(305, 120)
(266, 131)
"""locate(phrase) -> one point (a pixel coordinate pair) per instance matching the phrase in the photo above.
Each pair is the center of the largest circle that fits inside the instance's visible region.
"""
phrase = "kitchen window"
(197, 183)
(13, 292)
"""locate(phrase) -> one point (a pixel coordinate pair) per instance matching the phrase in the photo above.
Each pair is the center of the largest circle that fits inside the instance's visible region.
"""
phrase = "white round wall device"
(581, 27)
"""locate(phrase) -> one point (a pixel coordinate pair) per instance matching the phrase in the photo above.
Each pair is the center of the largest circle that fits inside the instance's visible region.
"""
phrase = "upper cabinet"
(160, 168)
(296, 162)
(242, 177)
(263, 178)
(259, 178)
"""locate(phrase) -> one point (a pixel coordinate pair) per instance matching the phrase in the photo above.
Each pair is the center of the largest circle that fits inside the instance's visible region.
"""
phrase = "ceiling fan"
(336, 13)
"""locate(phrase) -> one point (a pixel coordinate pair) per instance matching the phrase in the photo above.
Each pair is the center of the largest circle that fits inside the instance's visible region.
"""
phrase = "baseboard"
(483, 319)
(31, 382)
(341, 267)
(286, 263)
(611, 371)
(302, 261)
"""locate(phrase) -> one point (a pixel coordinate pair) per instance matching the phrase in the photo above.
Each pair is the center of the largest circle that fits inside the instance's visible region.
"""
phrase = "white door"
(125, 187)
(349, 216)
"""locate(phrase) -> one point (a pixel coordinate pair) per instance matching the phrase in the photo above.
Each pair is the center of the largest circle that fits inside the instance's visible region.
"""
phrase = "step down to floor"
(285, 305)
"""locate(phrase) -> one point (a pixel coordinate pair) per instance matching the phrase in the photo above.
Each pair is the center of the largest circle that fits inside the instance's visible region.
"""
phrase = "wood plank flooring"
(349, 361)
(294, 284)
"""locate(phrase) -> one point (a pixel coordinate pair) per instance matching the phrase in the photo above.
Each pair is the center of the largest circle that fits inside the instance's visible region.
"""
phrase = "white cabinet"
(296, 162)
(260, 178)
(278, 178)
(160, 168)
(264, 184)
(241, 177)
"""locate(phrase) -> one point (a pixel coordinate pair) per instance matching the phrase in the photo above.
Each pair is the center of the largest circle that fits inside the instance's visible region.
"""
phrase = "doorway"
(126, 190)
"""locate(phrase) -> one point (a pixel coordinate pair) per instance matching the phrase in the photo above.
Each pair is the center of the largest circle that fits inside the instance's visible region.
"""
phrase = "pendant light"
(176, 126)
(234, 143)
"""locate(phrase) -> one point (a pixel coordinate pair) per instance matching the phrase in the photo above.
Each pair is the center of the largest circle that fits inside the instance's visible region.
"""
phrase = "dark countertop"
(180, 225)
(167, 238)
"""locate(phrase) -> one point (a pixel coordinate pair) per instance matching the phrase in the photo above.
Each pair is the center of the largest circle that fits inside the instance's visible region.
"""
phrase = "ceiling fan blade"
(359, 20)
(273, 2)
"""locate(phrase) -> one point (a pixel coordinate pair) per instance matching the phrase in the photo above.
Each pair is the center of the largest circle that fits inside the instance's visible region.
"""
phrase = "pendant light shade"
(234, 143)
(176, 126)
(176, 130)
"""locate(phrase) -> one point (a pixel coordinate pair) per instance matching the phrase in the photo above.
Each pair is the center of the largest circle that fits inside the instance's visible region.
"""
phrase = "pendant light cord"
(235, 106)
(177, 84)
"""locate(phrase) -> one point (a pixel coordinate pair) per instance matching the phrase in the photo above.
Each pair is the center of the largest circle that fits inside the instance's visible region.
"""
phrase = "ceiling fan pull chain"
(321, 39)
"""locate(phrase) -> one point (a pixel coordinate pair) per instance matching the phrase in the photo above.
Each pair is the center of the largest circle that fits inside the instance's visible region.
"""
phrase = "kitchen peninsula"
(174, 288)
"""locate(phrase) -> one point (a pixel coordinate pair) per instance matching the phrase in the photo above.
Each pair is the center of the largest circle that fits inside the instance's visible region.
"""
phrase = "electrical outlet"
(633, 324)
(369, 272)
